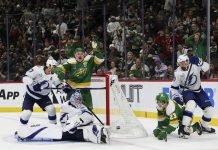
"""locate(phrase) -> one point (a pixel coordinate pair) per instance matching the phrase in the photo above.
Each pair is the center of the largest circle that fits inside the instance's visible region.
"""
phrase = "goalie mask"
(162, 100)
(76, 98)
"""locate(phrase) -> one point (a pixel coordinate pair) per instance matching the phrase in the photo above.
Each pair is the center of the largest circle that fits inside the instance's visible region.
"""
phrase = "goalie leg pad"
(25, 116)
(76, 136)
(188, 114)
(39, 133)
(96, 134)
(51, 114)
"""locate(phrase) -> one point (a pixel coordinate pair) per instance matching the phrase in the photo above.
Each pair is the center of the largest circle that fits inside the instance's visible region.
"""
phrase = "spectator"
(2, 75)
(213, 51)
(138, 69)
(113, 26)
(130, 60)
(114, 55)
(160, 69)
(169, 73)
(213, 72)
(190, 20)
(197, 42)
(180, 50)
(113, 69)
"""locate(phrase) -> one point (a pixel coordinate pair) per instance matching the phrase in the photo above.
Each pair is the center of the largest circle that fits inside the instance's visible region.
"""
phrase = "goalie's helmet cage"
(76, 97)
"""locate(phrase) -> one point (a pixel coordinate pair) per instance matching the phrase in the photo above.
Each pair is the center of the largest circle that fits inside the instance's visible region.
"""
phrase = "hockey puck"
(118, 127)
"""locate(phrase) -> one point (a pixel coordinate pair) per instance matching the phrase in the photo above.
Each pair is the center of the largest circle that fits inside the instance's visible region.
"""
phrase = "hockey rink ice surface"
(10, 121)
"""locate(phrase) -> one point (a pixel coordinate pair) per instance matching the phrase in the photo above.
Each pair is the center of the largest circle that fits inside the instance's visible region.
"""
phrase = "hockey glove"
(156, 132)
(41, 85)
(179, 100)
(72, 124)
(67, 89)
(162, 135)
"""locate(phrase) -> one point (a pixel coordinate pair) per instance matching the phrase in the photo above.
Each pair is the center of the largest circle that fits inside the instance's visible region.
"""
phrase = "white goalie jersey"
(73, 116)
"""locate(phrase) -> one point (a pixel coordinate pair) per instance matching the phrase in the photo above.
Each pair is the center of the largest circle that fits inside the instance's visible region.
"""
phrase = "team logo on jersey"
(192, 79)
(80, 72)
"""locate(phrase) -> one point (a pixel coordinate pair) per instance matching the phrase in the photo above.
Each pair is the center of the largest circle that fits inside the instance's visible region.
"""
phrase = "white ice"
(10, 121)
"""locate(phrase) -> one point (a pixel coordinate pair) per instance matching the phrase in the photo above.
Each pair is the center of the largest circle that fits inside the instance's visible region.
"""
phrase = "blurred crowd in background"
(53, 27)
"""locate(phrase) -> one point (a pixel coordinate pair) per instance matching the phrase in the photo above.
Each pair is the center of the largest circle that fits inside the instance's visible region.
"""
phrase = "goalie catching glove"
(72, 124)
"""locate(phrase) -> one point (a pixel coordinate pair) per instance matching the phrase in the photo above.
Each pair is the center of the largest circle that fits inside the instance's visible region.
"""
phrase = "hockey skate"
(208, 130)
(182, 132)
(198, 127)
(105, 135)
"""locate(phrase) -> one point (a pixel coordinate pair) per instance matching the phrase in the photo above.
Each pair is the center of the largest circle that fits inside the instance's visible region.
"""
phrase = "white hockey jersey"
(69, 112)
(36, 75)
(193, 81)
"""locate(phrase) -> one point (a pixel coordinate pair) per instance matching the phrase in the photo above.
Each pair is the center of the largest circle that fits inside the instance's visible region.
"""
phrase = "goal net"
(115, 109)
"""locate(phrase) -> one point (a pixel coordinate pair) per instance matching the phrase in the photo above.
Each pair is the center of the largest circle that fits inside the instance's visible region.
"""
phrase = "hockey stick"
(54, 96)
(101, 88)
(95, 116)
(183, 89)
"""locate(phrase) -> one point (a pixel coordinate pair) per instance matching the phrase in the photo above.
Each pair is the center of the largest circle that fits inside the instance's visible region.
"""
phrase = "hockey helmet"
(162, 98)
(51, 62)
(78, 50)
(75, 97)
(182, 58)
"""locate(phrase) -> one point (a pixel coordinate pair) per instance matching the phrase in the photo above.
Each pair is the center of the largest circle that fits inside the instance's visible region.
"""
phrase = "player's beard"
(184, 68)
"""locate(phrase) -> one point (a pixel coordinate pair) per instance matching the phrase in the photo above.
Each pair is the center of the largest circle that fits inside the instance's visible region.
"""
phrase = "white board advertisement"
(140, 94)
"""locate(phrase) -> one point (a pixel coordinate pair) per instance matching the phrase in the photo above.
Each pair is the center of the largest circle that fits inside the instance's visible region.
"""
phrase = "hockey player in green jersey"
(169, 117)
(79, 70)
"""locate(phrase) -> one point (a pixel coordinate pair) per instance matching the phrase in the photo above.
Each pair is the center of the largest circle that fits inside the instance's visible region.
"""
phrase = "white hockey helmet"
(182, 58)
(75, 96)
(51, 62)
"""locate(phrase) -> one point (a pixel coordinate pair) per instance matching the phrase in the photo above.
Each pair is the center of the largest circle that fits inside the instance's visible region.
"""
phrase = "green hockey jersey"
(169, 118)
(79, 72)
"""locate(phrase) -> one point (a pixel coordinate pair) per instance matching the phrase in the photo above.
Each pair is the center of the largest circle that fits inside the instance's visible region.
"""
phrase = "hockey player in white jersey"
(38, 82)
(192, 92)
(76, 125)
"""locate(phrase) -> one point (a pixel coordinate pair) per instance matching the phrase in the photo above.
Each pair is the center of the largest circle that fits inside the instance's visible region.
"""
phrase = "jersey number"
(173, 116)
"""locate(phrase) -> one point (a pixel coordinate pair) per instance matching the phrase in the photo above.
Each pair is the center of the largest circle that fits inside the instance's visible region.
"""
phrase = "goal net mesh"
(119, 115)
